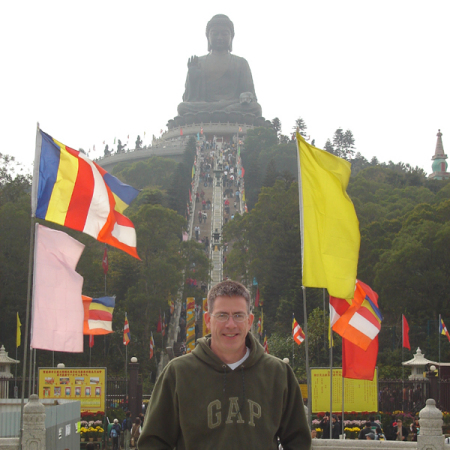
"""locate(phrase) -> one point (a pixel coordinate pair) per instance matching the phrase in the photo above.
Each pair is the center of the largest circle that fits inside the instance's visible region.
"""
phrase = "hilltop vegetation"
(405, 236)
(405, 233)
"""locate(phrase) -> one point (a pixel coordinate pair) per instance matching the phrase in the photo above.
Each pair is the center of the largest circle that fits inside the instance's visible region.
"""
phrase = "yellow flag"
(328, 224)
(18, 334)
(330, 335)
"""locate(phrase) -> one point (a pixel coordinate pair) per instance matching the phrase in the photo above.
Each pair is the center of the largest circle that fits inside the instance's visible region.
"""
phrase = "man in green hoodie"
(227, 393)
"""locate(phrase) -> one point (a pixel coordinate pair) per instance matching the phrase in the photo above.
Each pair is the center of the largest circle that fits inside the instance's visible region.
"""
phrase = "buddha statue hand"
(246, 97)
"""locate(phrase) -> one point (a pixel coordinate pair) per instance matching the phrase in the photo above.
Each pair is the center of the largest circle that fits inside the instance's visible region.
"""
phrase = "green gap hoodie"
(199, 403)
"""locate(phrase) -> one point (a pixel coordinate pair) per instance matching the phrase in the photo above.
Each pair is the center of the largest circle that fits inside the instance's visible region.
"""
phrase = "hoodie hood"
(204, 353)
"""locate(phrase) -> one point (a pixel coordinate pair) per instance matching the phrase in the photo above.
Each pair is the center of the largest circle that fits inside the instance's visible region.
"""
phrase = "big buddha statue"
(219, 81)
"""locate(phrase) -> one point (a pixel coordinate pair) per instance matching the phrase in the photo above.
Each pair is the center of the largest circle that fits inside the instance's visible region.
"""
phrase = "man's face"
(219, 37)
(228, 338)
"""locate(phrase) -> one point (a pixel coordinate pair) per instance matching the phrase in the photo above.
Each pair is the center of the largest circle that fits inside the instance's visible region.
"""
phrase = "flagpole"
(324, 318)
(126, 374)
(308, 371)
(293, 354)
(331, 381)
(15, 380)
(30, 272)
(342, 413)
(104, 270)
(34, 371)
(403, 367)
(439, 372)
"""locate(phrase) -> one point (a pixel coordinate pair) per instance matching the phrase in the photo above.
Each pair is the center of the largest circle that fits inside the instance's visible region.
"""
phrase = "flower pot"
(91, 439)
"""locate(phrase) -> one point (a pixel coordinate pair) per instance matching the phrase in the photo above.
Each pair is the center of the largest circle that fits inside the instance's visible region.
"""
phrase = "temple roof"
(5, 359)
(418, 360)
(439, 152)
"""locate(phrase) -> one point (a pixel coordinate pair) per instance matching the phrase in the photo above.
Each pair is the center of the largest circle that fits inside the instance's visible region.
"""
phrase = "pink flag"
(58, 313)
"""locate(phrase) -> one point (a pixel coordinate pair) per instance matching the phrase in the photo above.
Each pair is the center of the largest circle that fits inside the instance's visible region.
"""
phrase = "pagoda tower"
(439, 165)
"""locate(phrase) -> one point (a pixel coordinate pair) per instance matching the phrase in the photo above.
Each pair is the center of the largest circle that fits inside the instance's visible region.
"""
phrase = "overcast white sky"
(91, 71)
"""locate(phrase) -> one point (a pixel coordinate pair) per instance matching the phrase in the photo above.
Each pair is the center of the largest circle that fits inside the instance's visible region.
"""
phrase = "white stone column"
(33, 437)
(430, 437)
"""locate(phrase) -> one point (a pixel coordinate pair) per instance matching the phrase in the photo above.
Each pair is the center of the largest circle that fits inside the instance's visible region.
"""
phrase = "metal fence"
(411, 395)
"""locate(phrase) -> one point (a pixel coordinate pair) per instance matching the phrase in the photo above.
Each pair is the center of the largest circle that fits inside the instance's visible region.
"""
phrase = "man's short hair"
(228, 288)
(368, 424)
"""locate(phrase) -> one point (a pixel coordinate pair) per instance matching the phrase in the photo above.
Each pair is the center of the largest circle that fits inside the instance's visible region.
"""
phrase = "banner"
(88, 385)
(205, 308)
(190, 324)
(359, 395)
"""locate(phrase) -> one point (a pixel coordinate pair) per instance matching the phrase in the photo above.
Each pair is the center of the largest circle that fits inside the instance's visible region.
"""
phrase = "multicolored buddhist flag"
(98, 315)
(152, 345)
(205, 309)
(358, 320)
(442, 328)
(71, 190)
(297, 332)
(266, 345)
(259, 330)
(190, 324)
(171, 304)
(126, 331)
(329, 227)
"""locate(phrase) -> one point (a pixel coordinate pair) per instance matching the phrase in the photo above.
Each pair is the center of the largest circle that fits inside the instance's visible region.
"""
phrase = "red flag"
(152, 345)
(257, 298)
(357, 363)
(91, 340)
(159, 326)
(405, 333)
(181, 131)
(201, 130)
(105, 261)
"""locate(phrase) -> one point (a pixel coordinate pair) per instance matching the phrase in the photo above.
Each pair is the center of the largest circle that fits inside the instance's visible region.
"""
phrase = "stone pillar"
(33, 437)
(135, 409)
(430, 437)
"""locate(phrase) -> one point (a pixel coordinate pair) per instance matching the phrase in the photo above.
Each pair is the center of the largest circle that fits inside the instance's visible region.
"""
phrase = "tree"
(276, 124)
(329, 147)
(271, 174)
(300, 125)
(343, 144)
(138, 143)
